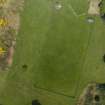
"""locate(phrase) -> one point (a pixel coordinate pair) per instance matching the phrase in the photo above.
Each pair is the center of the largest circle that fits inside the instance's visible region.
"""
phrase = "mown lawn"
(94, 66)
(62, 51)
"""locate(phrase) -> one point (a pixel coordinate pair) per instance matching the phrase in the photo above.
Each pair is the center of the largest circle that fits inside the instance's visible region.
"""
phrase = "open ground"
(57, 54)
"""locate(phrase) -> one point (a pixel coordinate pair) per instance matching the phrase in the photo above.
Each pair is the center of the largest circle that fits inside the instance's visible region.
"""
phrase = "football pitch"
(58, 52)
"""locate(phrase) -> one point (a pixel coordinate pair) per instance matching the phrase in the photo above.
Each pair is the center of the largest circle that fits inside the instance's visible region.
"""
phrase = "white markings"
(74, 12)
(90, 20)
(58, 6)
(83, 14)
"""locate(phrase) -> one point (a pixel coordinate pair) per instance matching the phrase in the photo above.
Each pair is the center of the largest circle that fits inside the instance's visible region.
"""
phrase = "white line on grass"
(83, 14)
(74, 12)
(72, 9)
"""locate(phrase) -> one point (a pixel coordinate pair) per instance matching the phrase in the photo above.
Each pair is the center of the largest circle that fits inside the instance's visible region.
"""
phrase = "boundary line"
(74, 12)
(84, 58)
(72, 9)
(54, 92)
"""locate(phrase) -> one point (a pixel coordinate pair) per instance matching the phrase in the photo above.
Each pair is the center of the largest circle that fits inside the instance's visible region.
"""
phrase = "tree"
(104, 58)
(35, 102)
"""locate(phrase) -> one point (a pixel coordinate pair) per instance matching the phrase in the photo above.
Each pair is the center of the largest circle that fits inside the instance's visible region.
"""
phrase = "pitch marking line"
(74, 12)
(83, 14)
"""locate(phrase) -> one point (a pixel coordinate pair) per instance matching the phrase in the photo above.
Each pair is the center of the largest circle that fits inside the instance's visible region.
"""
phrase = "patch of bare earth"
(94, 8)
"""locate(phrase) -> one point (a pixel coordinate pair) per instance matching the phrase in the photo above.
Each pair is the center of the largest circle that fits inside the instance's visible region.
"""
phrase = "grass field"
(62, 50)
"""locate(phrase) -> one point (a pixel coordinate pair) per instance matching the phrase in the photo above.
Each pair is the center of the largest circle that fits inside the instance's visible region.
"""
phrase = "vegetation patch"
(9, 26)
(94, 94)
(35, 102)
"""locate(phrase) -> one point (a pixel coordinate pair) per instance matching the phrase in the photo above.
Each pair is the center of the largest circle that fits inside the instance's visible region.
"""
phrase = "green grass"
(94, 67)
(63, 53)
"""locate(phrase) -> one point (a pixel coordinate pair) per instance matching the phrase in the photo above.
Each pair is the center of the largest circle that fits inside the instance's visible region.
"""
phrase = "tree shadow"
(35, 102)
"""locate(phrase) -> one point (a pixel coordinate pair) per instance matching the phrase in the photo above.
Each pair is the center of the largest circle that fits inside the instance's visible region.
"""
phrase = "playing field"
(62, 52)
